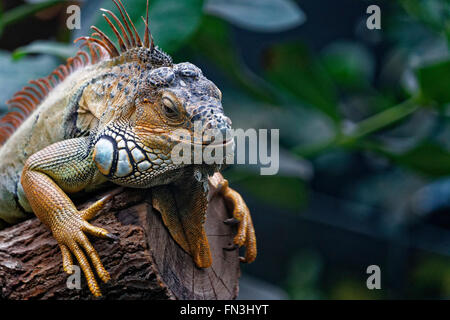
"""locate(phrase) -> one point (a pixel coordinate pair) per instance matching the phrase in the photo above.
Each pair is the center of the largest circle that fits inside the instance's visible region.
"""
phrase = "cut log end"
(145, 263)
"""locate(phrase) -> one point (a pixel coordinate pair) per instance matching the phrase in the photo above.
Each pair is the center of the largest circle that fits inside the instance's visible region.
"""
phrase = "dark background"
(363, 118)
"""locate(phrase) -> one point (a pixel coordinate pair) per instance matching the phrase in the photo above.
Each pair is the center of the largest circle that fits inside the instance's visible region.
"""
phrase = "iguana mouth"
(195, 141)
(204, 144)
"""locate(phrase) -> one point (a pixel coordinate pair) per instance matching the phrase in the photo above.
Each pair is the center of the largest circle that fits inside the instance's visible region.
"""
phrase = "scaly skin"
(116, 116)
(47, 176)
(240, 216)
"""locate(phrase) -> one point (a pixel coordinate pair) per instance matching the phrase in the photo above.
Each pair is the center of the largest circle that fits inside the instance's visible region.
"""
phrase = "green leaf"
(60, 50)
(258, 15)
(428, 158)
(350, 64)
(283, 191)
(432, 13)
(303, 278)
(434, 81)
(26, 10)
(293, 70)
(172, 22)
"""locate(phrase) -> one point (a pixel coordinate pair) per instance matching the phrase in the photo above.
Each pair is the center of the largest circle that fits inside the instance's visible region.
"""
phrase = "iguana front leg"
(240, 215)
(62, 167)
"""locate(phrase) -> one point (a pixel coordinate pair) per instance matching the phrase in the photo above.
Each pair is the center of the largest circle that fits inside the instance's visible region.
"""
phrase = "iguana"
(110, 114)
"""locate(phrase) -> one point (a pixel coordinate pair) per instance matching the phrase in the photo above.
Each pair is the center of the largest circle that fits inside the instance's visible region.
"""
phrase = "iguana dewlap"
(114, 114)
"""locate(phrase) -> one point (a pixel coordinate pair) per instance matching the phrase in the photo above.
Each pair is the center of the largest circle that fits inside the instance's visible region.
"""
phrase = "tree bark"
(145, 263)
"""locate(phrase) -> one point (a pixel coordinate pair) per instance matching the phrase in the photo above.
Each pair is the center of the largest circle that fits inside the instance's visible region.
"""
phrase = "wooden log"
(145, 263)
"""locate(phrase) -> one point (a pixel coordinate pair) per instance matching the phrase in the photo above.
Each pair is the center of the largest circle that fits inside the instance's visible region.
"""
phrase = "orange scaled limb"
(240, 215)
(43, 180)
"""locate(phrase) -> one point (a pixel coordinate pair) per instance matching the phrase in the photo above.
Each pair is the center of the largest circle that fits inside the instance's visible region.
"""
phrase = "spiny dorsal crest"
(99, 47)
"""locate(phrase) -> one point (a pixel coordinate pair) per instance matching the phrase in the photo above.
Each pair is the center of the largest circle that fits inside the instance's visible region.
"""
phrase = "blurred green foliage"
(304, 276)
(431, 276)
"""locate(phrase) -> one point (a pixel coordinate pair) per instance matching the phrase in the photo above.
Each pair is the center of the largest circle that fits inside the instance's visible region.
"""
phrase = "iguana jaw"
(167, 141)
(204, 144)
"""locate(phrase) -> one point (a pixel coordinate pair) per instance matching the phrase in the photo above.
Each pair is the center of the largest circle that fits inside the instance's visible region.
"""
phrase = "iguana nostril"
(207, 138)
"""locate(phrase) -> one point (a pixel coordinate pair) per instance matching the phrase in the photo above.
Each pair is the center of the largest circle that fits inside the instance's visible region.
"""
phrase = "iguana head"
(159, 106)
(144, 106)
(179, 104)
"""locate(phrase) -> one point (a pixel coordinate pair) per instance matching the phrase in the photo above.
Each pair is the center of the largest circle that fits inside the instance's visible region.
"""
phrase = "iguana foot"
(70, 233)
(240, 215)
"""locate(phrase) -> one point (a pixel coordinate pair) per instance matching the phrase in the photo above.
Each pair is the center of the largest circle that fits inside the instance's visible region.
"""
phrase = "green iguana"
(111, 114)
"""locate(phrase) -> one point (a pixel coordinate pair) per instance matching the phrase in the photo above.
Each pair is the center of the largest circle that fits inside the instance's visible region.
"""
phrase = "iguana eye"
(169, 107)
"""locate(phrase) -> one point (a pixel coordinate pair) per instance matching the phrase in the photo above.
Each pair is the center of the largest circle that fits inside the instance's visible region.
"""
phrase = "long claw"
(231, 247)
(96, 231)
(112, 236)
(231, 221)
